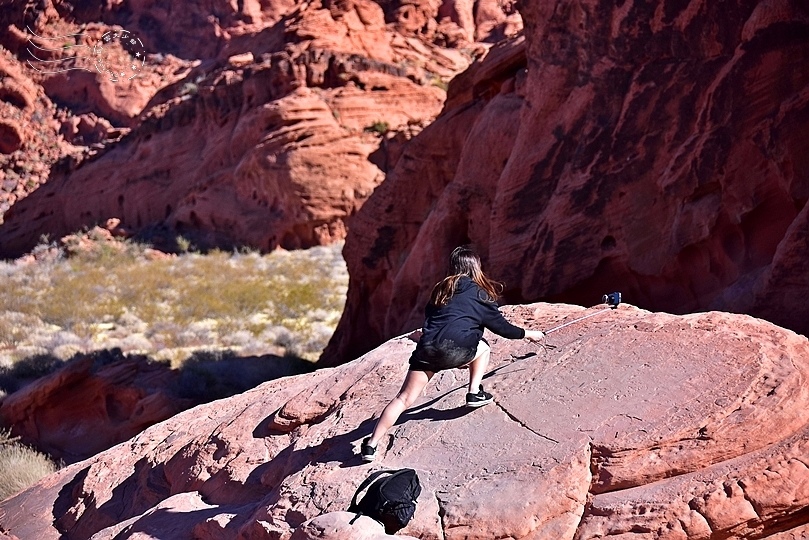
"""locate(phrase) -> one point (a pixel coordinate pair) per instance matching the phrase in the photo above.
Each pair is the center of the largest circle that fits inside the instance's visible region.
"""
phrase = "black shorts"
(432, 356)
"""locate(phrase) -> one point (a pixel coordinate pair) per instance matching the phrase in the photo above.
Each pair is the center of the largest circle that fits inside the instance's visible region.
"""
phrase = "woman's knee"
(483, 349)
(408, 397)
(413, 386)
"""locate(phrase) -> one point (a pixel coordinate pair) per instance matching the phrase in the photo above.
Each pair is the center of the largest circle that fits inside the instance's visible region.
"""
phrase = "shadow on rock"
(94, 401)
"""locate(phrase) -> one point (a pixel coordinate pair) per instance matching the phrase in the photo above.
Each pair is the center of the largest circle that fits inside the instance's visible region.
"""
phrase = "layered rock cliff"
(629, 424)
(251, 124)
(657, 149)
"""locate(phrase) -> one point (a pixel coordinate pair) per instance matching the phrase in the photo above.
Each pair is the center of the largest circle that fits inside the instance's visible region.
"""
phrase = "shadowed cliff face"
(660, 150)
(630, 425)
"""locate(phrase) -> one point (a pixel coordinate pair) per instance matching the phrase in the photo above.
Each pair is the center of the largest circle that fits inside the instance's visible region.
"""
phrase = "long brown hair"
(463, 262)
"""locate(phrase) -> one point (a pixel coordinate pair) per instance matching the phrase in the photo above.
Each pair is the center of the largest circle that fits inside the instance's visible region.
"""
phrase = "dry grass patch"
(20, 466)
(282, 303)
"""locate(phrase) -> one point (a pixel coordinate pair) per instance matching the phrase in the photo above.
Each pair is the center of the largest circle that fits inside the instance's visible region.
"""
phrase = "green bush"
(379, 126)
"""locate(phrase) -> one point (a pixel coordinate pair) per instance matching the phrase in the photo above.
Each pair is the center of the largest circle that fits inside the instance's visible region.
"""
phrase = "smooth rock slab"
(629, 424)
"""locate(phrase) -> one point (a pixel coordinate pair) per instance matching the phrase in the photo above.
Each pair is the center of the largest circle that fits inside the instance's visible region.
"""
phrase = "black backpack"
(390, 499)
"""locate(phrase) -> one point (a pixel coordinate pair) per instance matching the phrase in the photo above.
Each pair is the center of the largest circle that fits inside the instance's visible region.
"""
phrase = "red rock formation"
(6, 536)
(83, 409)
(35, 134)
(629, 425)
(235, 163)
(99, 400)
(41, 42)
(274, 140)
(29, 139)
(655, 149)
(343, 526)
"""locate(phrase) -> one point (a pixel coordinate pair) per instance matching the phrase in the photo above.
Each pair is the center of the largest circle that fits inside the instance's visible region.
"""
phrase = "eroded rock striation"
(629, 424)
(250, 124)
(655, 149)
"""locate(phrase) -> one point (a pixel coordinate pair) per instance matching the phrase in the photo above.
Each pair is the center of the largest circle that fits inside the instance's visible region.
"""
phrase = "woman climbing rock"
(461, 306)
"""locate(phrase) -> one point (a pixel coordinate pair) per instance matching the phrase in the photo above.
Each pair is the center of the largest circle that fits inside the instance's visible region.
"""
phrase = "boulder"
(92, 403)
(86, 129)
(628, 424)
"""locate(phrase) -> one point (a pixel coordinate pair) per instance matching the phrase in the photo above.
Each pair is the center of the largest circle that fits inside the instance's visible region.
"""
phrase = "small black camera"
(612, 299)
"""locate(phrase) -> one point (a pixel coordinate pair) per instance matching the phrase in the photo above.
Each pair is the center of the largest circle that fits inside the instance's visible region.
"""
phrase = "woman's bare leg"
(412, 387)
(477, 367)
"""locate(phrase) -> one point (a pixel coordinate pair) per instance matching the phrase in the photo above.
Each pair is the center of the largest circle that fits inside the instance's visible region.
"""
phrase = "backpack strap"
(365, 483)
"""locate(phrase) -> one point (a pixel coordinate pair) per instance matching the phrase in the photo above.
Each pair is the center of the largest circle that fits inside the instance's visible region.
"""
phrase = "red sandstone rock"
(83, 409)
(270, 147)
(94, 240)
(351, 36)
(656, 150)
(85, 88)
(629, 425)
(29, 139)
(285, 173)
(6, 536)
(798, 533)
(338, 526)
(86, 129)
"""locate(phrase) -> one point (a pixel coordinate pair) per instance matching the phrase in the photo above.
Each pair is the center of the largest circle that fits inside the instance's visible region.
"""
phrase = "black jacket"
(463, 319)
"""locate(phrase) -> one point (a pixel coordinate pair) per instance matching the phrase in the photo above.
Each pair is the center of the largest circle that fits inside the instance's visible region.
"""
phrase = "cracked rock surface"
(628, 425)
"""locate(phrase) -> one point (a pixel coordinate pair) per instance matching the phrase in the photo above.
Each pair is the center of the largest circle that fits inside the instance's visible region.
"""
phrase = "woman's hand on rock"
(534, 335)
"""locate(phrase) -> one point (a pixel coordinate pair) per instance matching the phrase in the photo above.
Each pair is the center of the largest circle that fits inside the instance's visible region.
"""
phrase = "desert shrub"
(35, 366)
(379, 126)
(11, 332)
(20, 466)
(169, 307)
(188, 88)
(439, 82)
(77, 291)
(14, 376)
